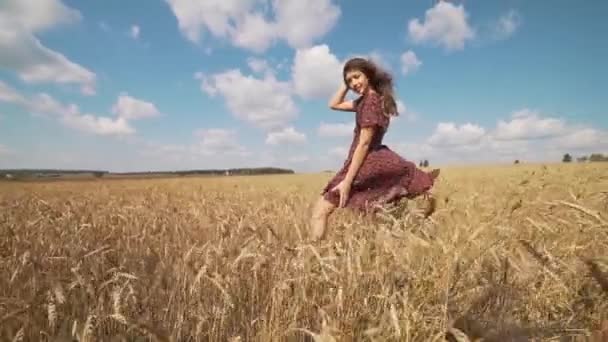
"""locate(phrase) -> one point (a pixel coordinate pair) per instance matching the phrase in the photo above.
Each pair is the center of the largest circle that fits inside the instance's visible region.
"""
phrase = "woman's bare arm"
(360, 153)
(337, 101)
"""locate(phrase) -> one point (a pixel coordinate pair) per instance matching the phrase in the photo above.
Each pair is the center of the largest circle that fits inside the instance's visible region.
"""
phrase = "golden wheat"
(512, 252)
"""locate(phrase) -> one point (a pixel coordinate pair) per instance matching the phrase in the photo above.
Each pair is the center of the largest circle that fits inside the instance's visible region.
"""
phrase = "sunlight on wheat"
(512, 253)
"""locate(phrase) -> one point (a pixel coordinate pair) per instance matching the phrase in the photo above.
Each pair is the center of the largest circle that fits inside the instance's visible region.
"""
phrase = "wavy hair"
(380, 80)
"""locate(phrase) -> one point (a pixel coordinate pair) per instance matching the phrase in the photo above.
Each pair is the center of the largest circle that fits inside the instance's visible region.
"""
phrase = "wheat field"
(513, 253)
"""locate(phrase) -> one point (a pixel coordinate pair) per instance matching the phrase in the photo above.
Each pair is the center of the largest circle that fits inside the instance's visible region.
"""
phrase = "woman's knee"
(322, 208)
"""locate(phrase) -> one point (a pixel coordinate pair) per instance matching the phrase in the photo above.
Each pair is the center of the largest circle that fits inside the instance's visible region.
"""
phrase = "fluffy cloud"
(527, 136)
(288, 135)
(97, 125)
(414, 151)
(528, 124)
(264, 102)
(258, 65)
(450, 134)
(298, 159)
(405, 112)
(4, 150)
(379, 58)
(302, 22)
(248, 23)
(445, 24)
(254, 33)
(212, 146)
(24, 54)
(336, 129)
(134, 32)
(338, 152)
(409, 62)
(8, 94)
(583, 138)
(130, 108)
(217, 141)
(126, 108)
(507, 24)
(71, 116)
(316, 72)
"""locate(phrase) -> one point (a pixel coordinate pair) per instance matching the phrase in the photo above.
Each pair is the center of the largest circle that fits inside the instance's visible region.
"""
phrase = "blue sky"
(184, 84)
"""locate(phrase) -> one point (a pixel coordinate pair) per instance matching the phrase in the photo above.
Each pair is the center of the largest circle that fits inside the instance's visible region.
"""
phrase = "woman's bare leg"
(435, 173)
(430, 198)
(318, 223)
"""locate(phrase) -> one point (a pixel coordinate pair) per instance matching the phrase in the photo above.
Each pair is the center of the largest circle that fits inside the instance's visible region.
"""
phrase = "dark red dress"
(382, 170)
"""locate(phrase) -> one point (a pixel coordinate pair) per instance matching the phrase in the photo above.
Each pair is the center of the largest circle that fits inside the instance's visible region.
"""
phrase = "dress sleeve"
(371, 113)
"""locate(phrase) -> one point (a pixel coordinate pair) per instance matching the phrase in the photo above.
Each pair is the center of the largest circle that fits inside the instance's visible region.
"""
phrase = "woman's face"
(357, 81)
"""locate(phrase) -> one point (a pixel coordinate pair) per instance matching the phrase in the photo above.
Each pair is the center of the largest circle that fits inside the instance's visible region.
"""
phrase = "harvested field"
(513, 252)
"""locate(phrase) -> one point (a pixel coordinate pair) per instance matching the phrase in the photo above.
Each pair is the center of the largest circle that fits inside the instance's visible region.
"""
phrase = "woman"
(372, 174)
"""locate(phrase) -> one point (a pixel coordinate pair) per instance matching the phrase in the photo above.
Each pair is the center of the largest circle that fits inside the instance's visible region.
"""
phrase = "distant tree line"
(47, 173)
(594, 157)
(54, 173)
(214, 172)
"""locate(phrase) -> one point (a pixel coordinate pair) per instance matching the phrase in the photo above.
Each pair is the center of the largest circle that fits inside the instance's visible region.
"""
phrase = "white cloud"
(259, 65)
(583, 138)
(298, 159)
(71, 116)
(507, 24)
(216, 141)
(286, 136)
(130, 108)
(126, 108)
(401, 108)
(23, 53)
(104, 26)
(450, 134)
(380, 59)
(44, 104)
(215, 16)
(528, 124)
(215, 147)
(134, 32)
(8, 94)
(338, 152)
(254, 33)
(445, 24)
(405, 112)
(4, 151)
(206, 86)
(37, 15)
(528, 136)
(409, 62)
(264, 102)
(316, 72)
(248, 25)
(336, 129)
(300, 23)
(504, 147)
(414, 151)
(97, 125)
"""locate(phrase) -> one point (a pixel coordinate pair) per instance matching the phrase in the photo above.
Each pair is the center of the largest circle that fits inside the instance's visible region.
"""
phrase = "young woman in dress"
(372, 173)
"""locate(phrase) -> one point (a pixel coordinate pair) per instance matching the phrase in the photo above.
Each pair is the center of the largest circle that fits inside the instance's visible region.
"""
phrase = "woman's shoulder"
(371, 99)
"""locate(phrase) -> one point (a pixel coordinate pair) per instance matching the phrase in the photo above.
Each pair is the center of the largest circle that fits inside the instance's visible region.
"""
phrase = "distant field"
(512, 251)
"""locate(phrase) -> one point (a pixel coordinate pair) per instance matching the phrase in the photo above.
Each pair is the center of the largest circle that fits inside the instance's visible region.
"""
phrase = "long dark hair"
(380, 80)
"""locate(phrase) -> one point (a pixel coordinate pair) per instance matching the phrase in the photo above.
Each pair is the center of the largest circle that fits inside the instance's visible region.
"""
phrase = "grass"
(512, 253)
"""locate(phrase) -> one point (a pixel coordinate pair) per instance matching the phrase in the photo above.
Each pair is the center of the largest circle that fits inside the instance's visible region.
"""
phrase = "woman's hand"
(337, 101)
(344, 87)
(344, 189)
